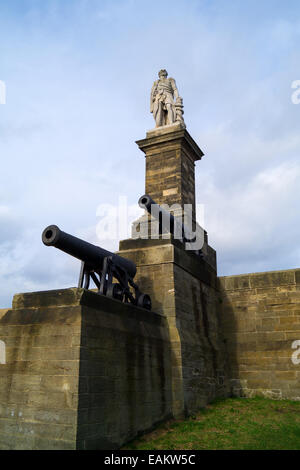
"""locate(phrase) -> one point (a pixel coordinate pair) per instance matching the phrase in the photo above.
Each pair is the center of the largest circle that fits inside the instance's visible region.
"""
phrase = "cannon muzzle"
(167, 223)
(92, 255)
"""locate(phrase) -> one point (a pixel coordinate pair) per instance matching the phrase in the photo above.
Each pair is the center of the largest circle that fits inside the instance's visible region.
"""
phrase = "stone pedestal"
(181, 284)
(183, 288)
(170, 155)
(82, 371)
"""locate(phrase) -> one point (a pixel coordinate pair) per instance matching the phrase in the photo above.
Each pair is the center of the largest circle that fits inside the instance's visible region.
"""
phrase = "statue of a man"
(165, 110)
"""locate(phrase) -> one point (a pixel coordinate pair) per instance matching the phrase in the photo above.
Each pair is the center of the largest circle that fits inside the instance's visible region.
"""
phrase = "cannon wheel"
(144, 301)
(115, 291)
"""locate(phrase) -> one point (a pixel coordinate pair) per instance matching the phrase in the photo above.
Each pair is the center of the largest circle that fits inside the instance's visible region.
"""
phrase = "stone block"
(272, 278)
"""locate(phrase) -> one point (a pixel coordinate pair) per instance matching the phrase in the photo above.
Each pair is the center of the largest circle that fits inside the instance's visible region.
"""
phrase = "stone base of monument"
(183, 287)
(81, 371)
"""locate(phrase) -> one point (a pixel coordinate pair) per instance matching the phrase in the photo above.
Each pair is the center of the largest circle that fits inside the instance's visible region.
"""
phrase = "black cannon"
(167, 223)
(101, 266)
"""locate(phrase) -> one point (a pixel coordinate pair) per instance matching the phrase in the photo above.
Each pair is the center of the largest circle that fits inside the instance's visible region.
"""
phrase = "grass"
(233, 423)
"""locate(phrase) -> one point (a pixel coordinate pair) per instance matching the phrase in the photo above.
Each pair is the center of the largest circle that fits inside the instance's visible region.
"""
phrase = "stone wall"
(82, 371)
(183, 287)
(261, 324)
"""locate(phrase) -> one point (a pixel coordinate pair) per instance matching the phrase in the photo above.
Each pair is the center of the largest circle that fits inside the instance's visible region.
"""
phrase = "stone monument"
(182, 285)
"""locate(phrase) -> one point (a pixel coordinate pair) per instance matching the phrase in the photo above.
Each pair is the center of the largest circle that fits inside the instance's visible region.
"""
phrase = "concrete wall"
(82, 371)
(261, 324)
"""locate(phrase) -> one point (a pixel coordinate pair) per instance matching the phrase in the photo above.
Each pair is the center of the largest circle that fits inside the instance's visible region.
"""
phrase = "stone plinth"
(82, 371)
(182, 285)
(171, 154)
(170, 160)
(183, 288)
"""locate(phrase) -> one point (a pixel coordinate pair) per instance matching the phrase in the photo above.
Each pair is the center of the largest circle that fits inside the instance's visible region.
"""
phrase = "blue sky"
(78, 77)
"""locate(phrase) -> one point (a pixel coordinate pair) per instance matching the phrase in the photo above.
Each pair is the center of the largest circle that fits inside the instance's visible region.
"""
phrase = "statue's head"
(163, 73)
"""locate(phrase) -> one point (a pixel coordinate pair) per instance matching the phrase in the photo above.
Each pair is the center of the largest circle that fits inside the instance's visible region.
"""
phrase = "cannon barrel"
(166, 220)
(168, 223)
(90, 254)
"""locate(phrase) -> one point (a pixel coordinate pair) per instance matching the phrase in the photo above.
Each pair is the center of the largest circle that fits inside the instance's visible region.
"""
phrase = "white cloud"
(256, 222)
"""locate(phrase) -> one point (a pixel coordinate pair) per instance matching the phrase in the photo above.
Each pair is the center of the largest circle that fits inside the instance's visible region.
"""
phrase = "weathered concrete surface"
(82, 371)
(261, 322)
